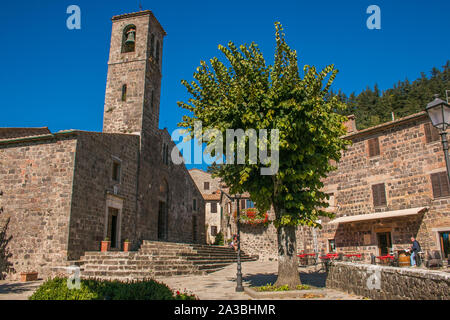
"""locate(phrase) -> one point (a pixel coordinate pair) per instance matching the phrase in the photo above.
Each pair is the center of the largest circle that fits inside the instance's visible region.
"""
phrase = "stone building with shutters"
(65, 192)
(210, 189)
(391, 184)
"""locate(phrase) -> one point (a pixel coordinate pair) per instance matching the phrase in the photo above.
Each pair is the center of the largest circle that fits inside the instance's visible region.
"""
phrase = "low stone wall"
(389, 283)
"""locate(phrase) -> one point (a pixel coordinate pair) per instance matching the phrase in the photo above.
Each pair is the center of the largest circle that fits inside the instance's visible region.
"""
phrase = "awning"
(380, 215)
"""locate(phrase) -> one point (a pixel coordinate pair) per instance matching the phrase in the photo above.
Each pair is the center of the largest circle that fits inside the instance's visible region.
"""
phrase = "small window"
(229, 207)
(331, 245)
(194, 204)
(152, 101)
(439, 182)
(206, 185)
(165, 154)
(374, 147)
(157, 51)
(431, 133)
(213, 207)
(124, 92)
(379, 195)
(152, 45)
(213, 231)
(250, 204)
(243, 204)
(116, 171)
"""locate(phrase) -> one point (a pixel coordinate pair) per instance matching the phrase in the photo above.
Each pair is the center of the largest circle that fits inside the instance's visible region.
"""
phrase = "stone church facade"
(64, 192)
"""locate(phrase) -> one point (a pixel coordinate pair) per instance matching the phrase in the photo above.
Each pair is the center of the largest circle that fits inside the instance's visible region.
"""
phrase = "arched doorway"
(163, 206)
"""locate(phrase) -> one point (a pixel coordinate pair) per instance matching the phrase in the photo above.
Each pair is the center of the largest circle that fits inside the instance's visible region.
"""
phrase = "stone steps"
(158, 259)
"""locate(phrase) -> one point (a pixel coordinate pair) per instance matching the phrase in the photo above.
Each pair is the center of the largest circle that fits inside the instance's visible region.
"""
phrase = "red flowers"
(253, 217)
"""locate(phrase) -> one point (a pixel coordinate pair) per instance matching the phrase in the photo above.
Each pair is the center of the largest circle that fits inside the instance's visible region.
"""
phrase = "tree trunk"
(287, 257)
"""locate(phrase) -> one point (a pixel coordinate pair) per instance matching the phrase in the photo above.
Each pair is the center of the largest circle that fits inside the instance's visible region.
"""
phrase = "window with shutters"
(431, 133)
(243, 203)
(439, 182)
(213, 207)
(374, 147)
(379, 195)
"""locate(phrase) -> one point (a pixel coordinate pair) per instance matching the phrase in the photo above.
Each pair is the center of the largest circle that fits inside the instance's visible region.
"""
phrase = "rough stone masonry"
(67, 191)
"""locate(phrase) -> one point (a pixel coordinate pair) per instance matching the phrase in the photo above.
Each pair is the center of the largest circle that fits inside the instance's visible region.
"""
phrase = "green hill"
(372, 107)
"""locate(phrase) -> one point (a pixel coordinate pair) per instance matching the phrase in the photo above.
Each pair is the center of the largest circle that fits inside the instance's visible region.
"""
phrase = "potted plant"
(105, 245)
(28, 276)
(126, 245)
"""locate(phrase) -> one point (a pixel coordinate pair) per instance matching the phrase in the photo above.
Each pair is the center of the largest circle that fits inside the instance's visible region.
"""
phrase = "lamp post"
(439, 112)
(237, 197)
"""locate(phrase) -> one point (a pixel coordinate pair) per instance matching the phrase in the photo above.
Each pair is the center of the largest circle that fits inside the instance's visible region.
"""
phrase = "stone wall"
(388, 283)
(10, 133)
(404, 165)
(36, 182)
(93, 184)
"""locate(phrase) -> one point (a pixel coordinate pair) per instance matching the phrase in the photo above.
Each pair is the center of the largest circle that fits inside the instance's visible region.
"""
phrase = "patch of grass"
(270, 288)
(313, 296)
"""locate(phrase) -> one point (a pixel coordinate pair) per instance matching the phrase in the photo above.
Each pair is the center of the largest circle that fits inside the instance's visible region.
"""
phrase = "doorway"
(113, 215)
(444, 239)
(384, 243)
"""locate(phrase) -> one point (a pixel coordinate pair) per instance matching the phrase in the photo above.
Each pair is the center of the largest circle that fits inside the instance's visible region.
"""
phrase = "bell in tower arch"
(131, 37)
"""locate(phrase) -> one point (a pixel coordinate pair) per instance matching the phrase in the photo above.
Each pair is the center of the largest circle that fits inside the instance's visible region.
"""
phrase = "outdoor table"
(350, 256)
(304, 258)
(384, 259)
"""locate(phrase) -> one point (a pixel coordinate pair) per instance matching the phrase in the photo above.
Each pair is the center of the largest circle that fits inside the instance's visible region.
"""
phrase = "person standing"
(415, 249)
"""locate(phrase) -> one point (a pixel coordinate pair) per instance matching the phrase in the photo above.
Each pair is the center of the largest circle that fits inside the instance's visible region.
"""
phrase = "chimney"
(350, 124)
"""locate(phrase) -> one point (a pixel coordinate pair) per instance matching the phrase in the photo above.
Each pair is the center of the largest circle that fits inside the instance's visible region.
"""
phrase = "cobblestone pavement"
(219, 285)
(15, 290)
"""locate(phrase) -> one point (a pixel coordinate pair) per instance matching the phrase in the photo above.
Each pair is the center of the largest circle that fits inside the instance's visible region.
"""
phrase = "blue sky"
(55, 77)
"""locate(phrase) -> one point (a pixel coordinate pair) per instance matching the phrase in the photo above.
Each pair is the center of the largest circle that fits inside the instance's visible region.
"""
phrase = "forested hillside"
(372, 106)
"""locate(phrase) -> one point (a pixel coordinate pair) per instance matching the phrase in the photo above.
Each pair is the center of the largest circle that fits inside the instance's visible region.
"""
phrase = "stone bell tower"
(133, 84)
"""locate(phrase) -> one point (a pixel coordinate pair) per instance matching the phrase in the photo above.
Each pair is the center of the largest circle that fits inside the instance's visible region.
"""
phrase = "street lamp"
(439, 112)
(237, 197)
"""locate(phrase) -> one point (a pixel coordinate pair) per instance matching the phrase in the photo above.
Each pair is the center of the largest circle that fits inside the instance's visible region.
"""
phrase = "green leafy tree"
(246, 93)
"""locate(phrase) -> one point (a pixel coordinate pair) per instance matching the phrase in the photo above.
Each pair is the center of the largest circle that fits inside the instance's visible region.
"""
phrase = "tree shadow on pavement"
(315, 279)
(19, 287)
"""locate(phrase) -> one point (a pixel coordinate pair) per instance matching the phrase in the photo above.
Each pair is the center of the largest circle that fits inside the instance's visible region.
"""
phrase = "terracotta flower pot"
(105, 246)
(126, 246)
(28, 276)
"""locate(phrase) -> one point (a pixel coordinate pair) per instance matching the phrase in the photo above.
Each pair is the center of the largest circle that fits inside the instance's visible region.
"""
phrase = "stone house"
(210, 190)
(391, 184)
(64, 192)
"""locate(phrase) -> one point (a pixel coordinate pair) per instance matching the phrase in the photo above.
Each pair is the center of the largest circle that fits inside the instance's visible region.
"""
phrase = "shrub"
(57, 289)
(219, 239)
